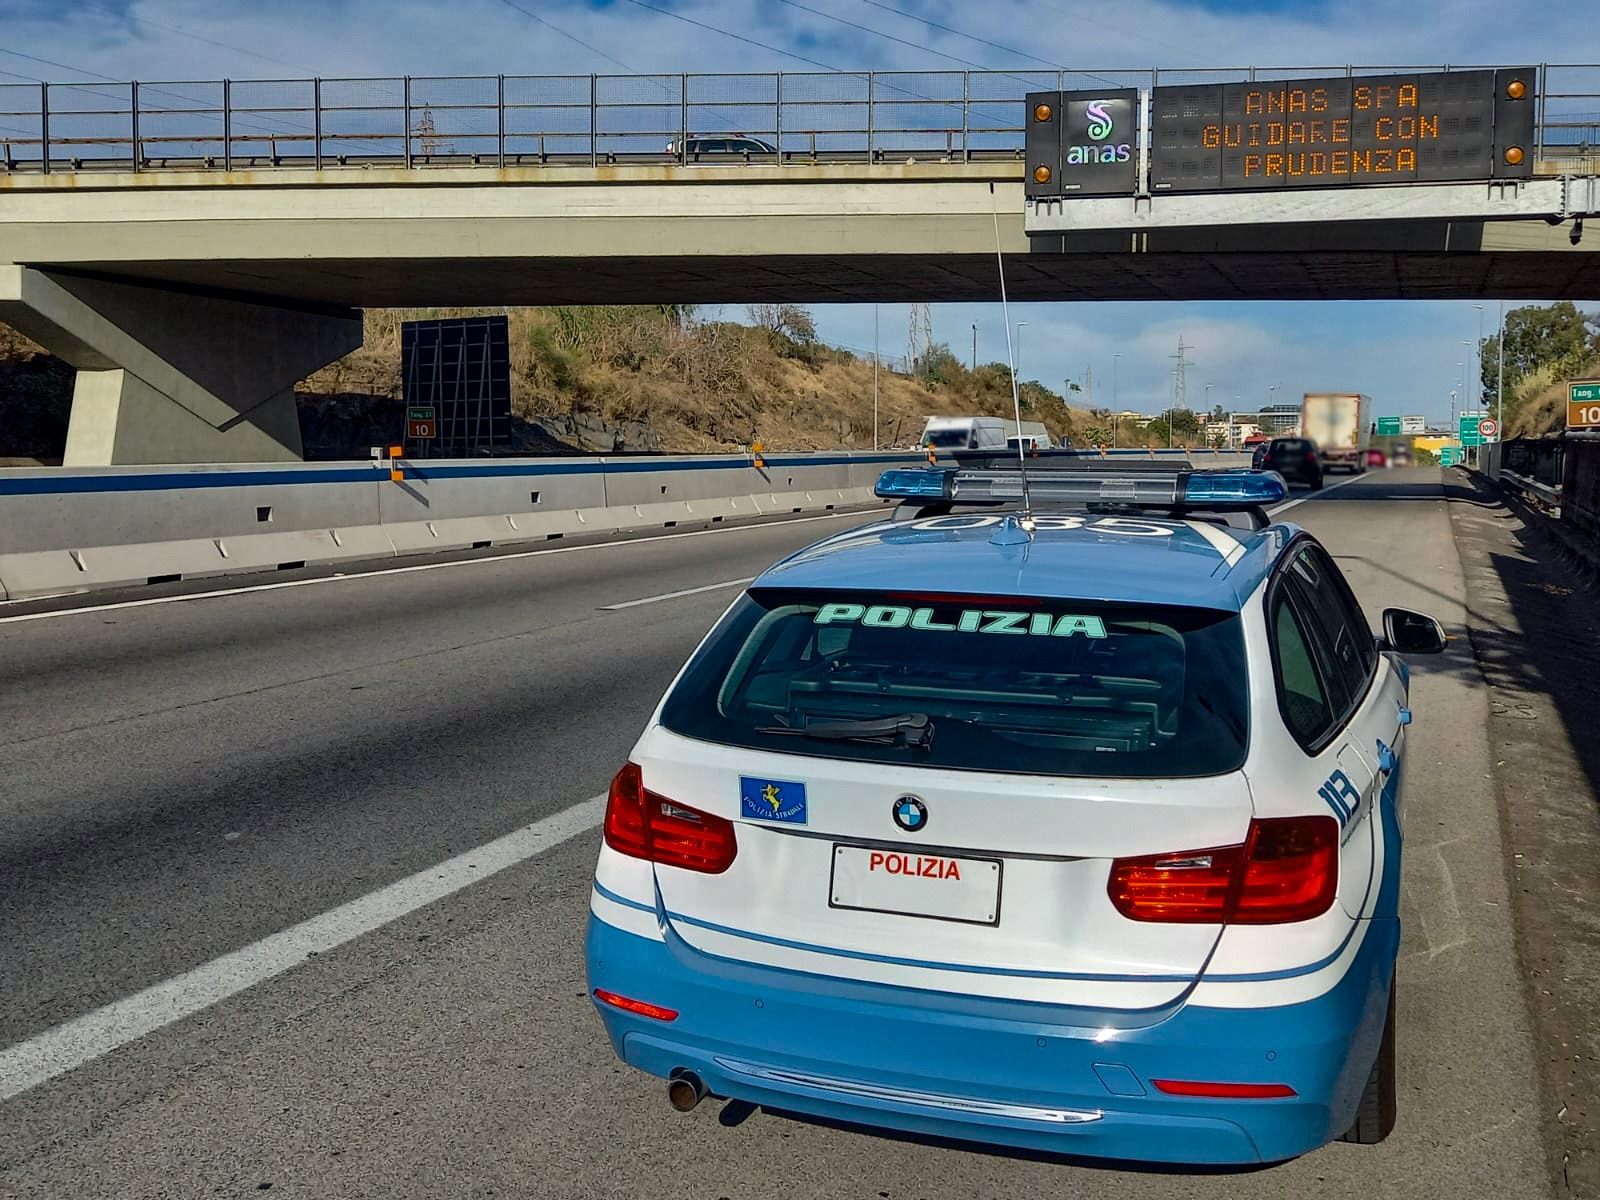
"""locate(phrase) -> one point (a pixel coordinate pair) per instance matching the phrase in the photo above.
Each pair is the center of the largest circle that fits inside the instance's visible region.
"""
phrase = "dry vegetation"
(1539, 403)
(702, 385)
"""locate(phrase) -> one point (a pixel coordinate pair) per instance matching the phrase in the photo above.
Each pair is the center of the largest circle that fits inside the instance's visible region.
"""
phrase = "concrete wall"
(73, 530)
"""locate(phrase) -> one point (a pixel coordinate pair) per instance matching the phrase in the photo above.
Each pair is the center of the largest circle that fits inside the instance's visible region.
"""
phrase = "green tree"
(939, 364)
(1556, 337)
(1185, 424)
(793, 321)
(1097, 435)
(1036, 397)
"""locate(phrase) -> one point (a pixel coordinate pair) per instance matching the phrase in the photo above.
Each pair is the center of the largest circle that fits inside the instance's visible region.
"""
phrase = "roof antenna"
(1011, 362)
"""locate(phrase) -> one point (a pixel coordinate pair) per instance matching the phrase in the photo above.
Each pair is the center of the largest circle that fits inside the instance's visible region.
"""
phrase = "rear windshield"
(1291, 446)
(1015, 685)
(949, 437)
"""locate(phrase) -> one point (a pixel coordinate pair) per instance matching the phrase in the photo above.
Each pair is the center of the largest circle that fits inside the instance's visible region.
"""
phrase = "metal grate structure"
(461, 369)
(590, 120)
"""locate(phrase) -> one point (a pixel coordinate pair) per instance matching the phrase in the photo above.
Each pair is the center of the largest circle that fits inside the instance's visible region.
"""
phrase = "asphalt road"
(182, 782)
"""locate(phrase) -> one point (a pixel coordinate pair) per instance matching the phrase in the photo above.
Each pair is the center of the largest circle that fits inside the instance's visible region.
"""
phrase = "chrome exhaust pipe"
(685, 1090)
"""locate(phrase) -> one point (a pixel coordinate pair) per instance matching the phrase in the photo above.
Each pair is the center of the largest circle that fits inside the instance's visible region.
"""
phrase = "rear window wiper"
(915, 729)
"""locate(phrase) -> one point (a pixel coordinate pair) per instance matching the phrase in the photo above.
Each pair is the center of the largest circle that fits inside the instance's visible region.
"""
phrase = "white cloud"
(1406, 352)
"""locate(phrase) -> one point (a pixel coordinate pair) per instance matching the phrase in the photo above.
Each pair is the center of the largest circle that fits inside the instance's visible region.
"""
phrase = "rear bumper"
(999, 1072)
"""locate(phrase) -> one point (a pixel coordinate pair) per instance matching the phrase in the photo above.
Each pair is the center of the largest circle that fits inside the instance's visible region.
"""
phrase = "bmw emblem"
(911, 814)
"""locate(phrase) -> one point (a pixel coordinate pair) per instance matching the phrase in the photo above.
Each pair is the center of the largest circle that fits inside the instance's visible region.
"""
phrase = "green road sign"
(1468, 428)
(1388, 426)
(1449, 456)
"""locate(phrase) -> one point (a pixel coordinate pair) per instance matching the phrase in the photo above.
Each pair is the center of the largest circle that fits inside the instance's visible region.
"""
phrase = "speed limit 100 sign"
(1583, 405)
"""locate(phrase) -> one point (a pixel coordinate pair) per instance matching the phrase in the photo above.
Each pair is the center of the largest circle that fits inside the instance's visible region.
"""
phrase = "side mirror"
(1410, 632)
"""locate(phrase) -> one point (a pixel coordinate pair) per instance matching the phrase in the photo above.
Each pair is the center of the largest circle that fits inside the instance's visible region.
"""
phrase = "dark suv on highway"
(1295, 458)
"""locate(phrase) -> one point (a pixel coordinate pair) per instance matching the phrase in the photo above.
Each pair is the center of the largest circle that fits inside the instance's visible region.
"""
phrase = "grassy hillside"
(701, 385)
(644, 377)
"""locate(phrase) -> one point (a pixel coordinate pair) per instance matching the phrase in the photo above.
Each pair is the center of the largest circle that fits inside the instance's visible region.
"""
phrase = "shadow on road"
(1381, 489)
(1108, 1165)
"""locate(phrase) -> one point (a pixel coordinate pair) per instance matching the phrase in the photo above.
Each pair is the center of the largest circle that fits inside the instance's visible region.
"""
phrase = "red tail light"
(1287, 870)
(641, 824)
(1224, 1091)
(642, 1007)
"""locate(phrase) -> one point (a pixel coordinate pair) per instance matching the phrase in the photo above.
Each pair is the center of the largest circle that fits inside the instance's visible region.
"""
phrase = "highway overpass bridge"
(194, 256)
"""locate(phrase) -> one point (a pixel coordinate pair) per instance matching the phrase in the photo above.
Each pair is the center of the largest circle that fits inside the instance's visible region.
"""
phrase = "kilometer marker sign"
(1583, 404)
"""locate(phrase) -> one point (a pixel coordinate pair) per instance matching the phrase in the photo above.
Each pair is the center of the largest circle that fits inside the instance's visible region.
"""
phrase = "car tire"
(1316, 483)
(1376, 1114)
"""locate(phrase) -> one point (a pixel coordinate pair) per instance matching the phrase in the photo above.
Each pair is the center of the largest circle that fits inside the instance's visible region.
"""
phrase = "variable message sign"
(1418, 127)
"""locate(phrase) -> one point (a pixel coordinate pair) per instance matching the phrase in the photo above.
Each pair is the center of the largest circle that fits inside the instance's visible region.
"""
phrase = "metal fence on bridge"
(589, 120)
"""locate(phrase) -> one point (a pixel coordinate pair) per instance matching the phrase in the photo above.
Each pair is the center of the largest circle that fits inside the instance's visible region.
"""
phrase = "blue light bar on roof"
(1211, 489)
(915, 483)
(1217, 491)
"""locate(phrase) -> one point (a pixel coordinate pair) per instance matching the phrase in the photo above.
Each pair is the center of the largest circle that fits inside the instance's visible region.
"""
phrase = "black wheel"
(1376, 1115)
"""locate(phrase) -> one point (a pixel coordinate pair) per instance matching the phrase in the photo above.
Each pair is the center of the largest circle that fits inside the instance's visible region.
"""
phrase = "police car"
(1068, 821)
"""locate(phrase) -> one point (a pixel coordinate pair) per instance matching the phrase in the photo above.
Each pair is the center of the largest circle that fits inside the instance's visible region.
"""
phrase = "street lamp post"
(1500, 385)
(1116, 399)
(1018, 367)
(874, 376)
(974, 346)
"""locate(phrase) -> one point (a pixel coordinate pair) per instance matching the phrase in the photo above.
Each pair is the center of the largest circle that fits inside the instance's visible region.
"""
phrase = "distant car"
(1296, 459)
(1401, 457)
(1059, 829)
(1377, 458)
(696, 147)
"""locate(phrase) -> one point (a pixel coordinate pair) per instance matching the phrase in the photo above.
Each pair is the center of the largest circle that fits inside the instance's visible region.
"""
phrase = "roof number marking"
(970, 620)
(1047, 521)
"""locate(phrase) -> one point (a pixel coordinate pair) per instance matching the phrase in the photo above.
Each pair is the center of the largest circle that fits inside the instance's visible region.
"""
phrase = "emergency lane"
(454, 1050)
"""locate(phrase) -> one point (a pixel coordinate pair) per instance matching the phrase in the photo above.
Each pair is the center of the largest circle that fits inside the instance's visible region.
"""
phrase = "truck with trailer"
(1340, 424)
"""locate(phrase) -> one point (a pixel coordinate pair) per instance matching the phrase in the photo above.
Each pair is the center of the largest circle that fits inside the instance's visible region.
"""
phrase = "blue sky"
(1404, 354)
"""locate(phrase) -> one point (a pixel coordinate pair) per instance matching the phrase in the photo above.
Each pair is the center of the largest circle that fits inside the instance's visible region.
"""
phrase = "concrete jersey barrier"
(75, 530)
(66, 531)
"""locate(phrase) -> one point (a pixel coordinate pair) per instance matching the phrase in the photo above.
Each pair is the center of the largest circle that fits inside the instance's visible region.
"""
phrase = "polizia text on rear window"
(983, 683)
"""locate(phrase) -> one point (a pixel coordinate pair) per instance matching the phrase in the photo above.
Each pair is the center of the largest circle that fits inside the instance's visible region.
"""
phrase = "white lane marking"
(83, 1039)
(694, 591)
(1332, 487)
(436, 566)
(1223, 542)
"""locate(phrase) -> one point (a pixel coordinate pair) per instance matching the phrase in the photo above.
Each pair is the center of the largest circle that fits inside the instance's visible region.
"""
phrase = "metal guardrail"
(590, 120)
(1542, 494)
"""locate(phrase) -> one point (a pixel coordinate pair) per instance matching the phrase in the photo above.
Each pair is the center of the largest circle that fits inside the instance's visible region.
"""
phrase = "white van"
(965, 433)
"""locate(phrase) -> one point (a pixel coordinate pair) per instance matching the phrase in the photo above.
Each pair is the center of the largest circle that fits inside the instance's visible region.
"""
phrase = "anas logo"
(1099, 127)
(1100, 123)
(911, 814)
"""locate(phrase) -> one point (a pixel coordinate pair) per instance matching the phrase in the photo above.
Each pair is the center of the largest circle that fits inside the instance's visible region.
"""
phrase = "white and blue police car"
(1066, 819)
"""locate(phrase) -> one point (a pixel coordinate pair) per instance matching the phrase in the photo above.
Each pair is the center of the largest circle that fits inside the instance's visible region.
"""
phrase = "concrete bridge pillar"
(174, 377)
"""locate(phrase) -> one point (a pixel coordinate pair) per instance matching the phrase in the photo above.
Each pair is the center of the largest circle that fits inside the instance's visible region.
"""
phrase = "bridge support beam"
(173, 377)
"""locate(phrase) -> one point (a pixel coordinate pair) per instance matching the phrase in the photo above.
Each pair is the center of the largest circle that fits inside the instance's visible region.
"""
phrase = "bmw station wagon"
(1071, 826)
